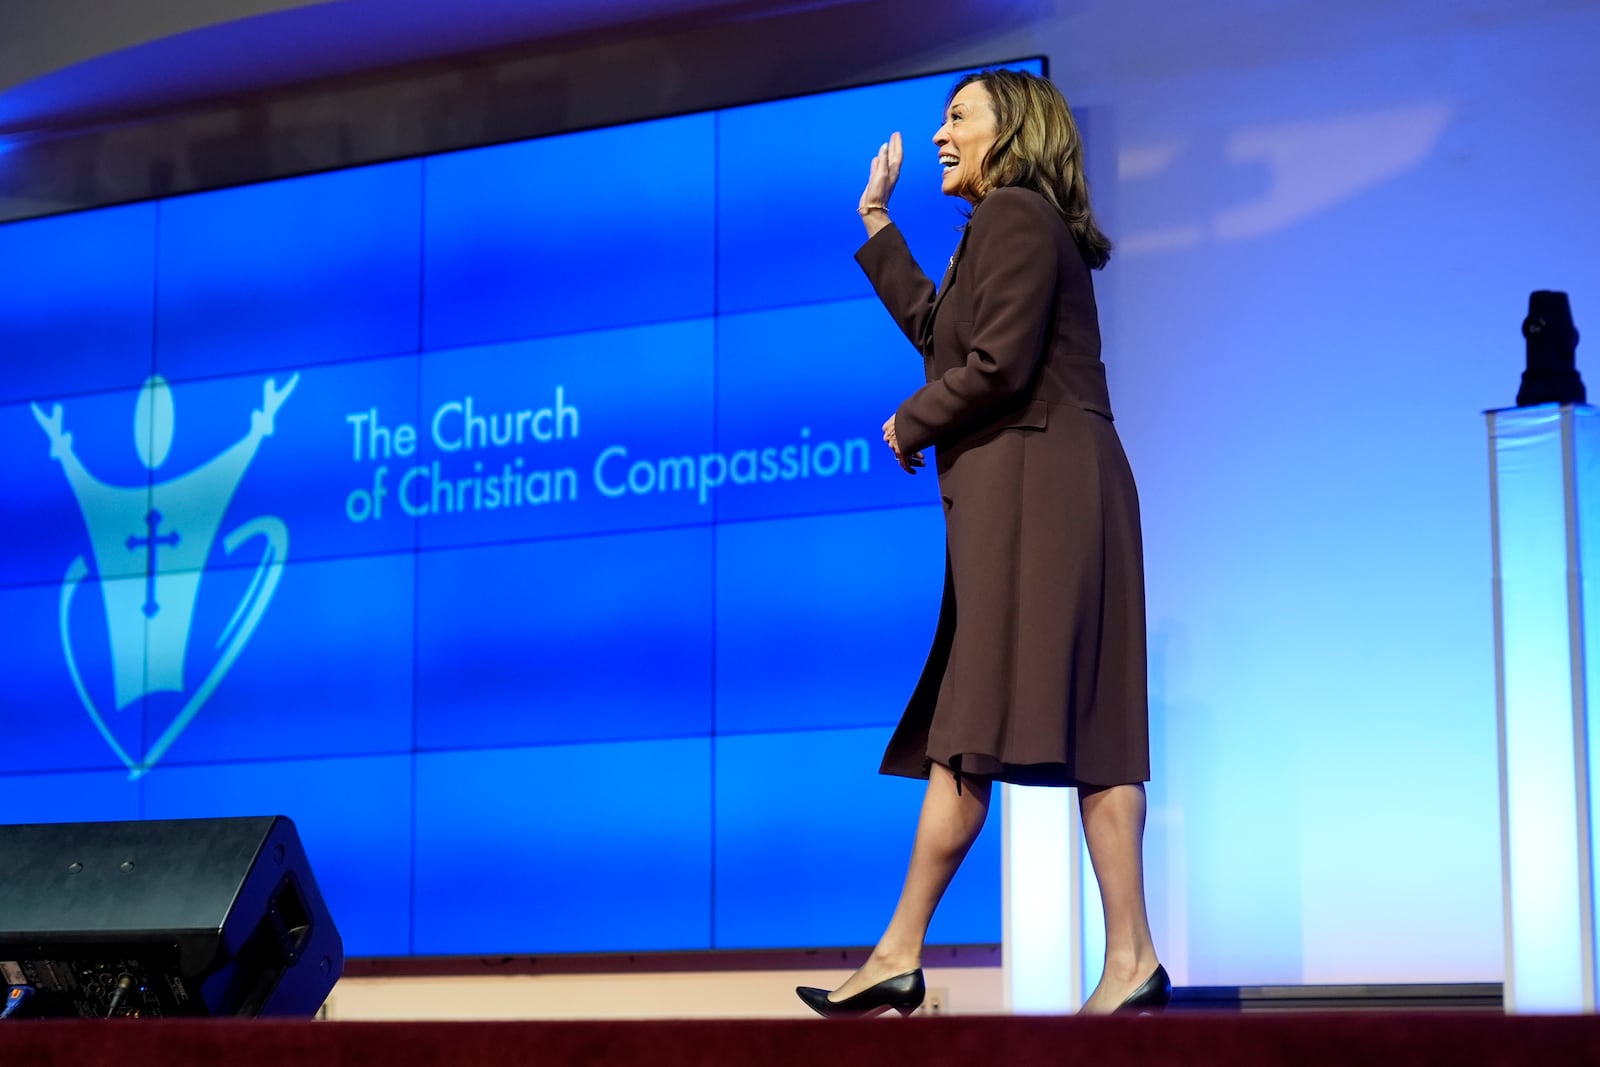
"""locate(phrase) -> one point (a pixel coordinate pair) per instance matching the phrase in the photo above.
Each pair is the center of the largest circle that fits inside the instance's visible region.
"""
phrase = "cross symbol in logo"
(151, 520)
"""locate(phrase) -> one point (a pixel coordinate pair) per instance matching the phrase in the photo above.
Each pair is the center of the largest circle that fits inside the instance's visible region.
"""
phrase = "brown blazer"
(1037, 672)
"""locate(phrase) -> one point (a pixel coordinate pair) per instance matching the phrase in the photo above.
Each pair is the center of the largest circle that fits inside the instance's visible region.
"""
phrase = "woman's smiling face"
(964, 140)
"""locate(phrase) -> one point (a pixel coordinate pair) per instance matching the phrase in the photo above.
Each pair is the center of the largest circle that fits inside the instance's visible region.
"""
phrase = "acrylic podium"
(1544, 490)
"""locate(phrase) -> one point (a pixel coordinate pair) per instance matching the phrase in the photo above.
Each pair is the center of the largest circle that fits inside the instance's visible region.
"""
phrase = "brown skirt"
(1037, 674)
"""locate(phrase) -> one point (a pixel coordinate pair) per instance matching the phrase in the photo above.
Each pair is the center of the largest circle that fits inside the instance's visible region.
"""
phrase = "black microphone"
(1552, 374)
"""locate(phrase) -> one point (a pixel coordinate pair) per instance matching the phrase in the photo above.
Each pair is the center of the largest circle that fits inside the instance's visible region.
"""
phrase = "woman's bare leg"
(1113, 825)
(949, 824)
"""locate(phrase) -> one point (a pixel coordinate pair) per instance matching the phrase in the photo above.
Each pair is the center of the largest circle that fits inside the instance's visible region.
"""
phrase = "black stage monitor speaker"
(164, 918)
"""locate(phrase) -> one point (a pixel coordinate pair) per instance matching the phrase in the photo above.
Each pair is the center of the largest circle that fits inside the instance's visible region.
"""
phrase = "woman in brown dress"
(1037, 672)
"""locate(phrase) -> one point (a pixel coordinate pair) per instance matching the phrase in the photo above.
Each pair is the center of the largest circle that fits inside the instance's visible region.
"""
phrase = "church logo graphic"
(150, 545)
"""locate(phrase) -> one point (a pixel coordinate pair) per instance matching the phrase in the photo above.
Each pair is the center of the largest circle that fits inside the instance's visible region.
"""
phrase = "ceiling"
(61, 69)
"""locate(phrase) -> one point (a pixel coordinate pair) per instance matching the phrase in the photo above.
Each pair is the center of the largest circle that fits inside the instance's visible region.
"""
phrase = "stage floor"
(1381, 1039)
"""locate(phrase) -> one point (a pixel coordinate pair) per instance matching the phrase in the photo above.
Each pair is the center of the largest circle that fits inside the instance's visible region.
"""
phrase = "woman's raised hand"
(882, 177)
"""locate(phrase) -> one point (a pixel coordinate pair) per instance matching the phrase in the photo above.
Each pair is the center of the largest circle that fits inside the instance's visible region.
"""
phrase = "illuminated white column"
(1544, 492)
(1041, 900)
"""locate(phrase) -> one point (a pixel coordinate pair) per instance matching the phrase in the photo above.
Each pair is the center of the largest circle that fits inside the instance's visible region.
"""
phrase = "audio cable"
(16, 997)
(120, 994)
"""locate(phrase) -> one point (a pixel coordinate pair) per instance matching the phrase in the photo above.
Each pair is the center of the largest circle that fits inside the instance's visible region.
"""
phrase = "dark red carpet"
(1367, 1040)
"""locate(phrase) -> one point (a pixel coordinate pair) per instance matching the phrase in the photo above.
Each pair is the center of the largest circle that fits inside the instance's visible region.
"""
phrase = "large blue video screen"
(517, 525)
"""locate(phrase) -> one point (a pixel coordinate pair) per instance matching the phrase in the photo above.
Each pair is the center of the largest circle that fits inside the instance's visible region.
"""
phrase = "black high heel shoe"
(1152, 997)
(902, 993)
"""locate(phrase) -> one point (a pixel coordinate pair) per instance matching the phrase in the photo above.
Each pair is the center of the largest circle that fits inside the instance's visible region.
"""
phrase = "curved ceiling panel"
(41, 36)
(163, 54)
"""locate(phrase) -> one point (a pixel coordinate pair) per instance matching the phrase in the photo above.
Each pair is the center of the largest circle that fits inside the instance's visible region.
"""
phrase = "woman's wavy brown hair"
(1037, 146)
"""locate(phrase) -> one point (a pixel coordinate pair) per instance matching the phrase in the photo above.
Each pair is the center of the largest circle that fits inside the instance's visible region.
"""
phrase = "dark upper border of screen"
(1043, 61)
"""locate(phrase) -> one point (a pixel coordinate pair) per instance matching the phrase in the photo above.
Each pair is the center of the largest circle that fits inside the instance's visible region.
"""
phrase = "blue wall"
(531, 554)
(1329, 219)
